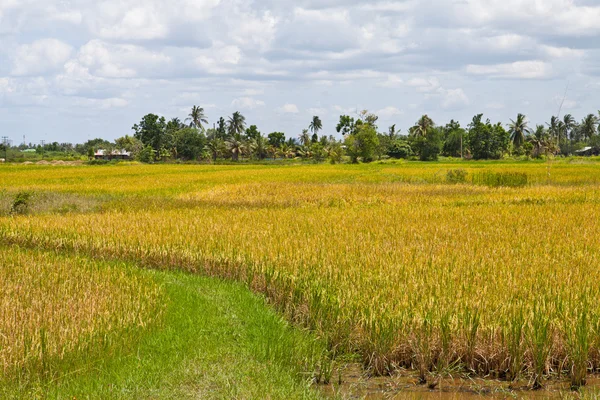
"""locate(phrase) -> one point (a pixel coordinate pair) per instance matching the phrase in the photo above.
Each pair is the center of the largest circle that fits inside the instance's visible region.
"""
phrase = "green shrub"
(455, 176)
(21, 203)
(499, 179)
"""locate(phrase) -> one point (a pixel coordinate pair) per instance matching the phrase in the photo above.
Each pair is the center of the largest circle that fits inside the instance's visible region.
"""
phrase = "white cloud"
(424, 85)
(219, 59)
(516, 70)
(39, 57)
(288, 109)
(118, 61)
(454, 99)
(392, 81)
(389, 112)
(247, 103)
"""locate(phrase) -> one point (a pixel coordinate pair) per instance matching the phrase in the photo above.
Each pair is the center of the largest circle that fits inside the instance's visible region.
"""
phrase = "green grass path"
(217, 340)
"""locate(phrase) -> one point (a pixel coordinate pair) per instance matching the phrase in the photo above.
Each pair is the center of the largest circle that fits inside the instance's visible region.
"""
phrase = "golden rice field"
(389, 261)
(53, 306)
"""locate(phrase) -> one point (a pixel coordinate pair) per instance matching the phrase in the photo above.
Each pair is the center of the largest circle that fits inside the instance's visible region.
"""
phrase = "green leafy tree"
(453, 139)
(130, 144)
(400, 149)
(147, 155)
(151, 131)
(252, 132)
(221, 129)
(487, 141)
(427, 147)
(189, 143)
(346, 126)
(276, 139)
(362, 144)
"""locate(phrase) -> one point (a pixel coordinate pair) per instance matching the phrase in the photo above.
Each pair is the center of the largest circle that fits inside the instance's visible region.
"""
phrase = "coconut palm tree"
(215, 147)
(315, 125)
(305, 138)
(589, 125)
(518, 130)
(424, 124)
(236, 125)
(392, 132)
(568, 125)
(554, 128)
(196, 118)
(236, 147)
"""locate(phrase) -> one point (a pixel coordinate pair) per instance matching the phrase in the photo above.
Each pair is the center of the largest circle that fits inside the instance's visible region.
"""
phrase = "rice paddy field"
(487, 269)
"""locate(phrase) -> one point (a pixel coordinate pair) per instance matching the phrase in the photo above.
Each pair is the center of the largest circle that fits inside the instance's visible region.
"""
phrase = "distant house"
(112, 155)
(587, 151)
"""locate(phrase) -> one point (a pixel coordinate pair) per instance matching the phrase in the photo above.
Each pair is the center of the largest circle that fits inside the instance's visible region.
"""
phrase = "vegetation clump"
(21, 203)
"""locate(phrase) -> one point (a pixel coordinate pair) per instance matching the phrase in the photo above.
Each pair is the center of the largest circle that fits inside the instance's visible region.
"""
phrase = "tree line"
(156, 139)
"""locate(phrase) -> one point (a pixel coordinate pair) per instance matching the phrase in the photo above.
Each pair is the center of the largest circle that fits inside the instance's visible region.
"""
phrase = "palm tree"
(236, 147)
(316, 125)
(554, 128)
(258, 146)
(196, 118)
(589, 126)
(236, 125)
(305, 138)
(215, 147)
(392, 132)
(424, 124)
(568, 125)
(518, 130)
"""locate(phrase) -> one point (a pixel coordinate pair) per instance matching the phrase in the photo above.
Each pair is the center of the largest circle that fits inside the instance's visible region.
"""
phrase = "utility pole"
(43, 142)
(461, 146)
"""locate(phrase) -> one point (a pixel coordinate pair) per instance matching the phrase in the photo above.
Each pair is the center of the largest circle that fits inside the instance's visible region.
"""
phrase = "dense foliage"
(156, 139)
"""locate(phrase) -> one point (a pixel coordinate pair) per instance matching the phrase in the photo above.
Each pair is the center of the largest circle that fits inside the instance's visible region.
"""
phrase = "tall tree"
(568, 126)
(554, 128)
(236, 125)
(346, 126)
(221, 129)
(589, 125)
(315, 125)
(424, 124)
(197, 117)
(305, 138)
(518, 130)
(151, 131)
(235, 146)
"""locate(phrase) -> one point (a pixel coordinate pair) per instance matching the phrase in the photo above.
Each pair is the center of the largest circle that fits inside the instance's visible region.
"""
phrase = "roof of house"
(583, 150)
(102, 153)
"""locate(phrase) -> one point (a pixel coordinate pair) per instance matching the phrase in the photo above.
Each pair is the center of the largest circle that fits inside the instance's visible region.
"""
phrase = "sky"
(74, 70)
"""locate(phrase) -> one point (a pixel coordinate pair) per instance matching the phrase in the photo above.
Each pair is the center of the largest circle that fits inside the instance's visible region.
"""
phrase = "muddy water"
(356, 385)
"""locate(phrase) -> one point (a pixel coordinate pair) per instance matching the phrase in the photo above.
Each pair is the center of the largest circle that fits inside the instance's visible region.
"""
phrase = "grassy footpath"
(216, 340)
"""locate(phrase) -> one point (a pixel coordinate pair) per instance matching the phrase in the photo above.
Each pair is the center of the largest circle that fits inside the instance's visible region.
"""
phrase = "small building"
(112, 155)
(587, 151)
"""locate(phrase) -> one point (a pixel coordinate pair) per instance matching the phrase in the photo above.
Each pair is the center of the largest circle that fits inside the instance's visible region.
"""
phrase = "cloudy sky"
(71, 70)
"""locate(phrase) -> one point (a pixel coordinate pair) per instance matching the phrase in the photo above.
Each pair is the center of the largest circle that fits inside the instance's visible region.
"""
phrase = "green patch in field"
(216, 340)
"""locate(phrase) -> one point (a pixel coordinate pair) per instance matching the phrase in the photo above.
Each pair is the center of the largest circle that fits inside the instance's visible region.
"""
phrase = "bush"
(498, 179)
(400, 149)
(455, 176)
(21, 203)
